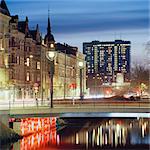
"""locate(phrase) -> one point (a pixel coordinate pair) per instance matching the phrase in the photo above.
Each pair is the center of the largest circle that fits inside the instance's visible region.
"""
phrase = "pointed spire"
(49, 38)
(4, 7)
(37, 28)
(38, 36)
(48, 27)
(27, 20)
(27, 27)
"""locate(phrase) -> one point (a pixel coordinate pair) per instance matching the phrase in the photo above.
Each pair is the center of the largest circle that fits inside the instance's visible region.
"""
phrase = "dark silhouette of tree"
(148, 47)
(139, 75)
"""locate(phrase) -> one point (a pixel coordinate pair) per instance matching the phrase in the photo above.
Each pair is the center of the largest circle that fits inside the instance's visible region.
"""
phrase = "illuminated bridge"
(78, 108)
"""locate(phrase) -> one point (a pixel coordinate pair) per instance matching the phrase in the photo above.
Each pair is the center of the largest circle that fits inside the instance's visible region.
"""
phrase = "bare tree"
(139, 75)
(147, 47)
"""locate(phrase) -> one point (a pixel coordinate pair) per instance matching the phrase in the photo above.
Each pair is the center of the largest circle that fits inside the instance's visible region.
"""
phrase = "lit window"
(18, 60)
(38, 65)
(28, 62)
(1, 44)
(28, 76)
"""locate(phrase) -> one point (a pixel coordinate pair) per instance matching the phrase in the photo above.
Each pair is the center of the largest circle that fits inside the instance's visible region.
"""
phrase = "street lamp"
(81, 74)
(51, 54)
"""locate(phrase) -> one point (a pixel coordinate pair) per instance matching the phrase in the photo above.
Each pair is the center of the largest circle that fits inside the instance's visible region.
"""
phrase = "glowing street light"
(51, 54)
(81, 65)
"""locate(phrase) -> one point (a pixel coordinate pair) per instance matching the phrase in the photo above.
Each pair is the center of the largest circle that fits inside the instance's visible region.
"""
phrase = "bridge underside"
(80, 112)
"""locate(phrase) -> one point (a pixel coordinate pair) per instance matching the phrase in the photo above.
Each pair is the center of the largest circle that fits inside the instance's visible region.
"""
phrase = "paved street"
(77, 106)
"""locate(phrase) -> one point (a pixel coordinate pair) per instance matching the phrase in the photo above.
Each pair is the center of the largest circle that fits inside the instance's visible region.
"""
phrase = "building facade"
(105, 59)
(67, 71)
(4, 50)
(24, 68)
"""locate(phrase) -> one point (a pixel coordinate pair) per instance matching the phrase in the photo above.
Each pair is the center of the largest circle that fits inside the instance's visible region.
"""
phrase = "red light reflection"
(37, 132)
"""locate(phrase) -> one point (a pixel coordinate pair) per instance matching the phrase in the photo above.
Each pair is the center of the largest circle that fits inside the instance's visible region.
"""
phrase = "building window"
(13, 41)
(27, 48)
(28, 76)
(18, 60)
(28, 62)
(1, 44)
(38, 65)
(13, 58)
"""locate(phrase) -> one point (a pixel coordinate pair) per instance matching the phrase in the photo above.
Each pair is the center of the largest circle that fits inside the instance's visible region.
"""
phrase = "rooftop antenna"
(48, 11)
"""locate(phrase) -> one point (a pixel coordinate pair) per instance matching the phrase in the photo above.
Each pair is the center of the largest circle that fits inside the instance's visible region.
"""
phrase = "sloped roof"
(67, 49)
(22, 26)
(3, 8)
(33, 34)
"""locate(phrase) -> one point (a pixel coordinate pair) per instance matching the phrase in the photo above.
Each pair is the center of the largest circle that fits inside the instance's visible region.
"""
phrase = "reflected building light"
(109, 135)
(98, 136)
(22, 130)
(58, 139)
(93, 137)
(106, 125)
(143, 130)
(101, 136)
(22, 141)
(32, 125)
(87, 139)
(105, 138)
(145, 125)
(29, 141)
(123, 136)
(42, 138)
(39, 123)
(130, 125)
(32, 141)
(77, 138)
(98, 131)
(120, 137)
(37, 127)
(112, 137)
(39, 139)
(98, 140)
(109, 121)
(118, 130)
(29, 128)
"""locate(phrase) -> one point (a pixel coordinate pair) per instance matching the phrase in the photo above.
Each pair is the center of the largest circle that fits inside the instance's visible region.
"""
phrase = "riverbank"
(7, 135)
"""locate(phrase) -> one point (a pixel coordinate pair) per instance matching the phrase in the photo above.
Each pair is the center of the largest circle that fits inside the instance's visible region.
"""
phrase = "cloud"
(82, 16)
(76, 21)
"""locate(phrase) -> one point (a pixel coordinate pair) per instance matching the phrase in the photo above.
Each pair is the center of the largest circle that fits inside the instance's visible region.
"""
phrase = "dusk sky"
(78, 21)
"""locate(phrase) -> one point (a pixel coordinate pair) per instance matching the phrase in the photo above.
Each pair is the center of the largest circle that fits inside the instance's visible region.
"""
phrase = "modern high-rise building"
(105, 59)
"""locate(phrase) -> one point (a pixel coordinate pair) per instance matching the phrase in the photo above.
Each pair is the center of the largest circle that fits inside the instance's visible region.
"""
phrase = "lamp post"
(81, 76)
(51, 54)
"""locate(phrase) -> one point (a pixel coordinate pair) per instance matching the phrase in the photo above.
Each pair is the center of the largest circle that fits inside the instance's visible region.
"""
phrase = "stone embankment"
(7, 135)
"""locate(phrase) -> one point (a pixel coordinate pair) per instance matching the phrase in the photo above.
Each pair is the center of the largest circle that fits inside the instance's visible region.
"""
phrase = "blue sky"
(78, 21)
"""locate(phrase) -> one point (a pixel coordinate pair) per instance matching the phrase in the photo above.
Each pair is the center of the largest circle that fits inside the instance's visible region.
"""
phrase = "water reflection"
(107, 133)
(37, 132)
(87, 134)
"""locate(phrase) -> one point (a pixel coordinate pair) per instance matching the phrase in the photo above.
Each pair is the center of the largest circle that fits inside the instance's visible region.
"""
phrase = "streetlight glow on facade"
(80, 64)
(51, 45)
(51, 55)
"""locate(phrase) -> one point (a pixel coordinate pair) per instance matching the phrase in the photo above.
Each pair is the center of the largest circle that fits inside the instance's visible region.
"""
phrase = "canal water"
(86, 133)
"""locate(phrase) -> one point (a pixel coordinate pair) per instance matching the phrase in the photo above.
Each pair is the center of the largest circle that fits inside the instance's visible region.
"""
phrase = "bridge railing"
(73, 104)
